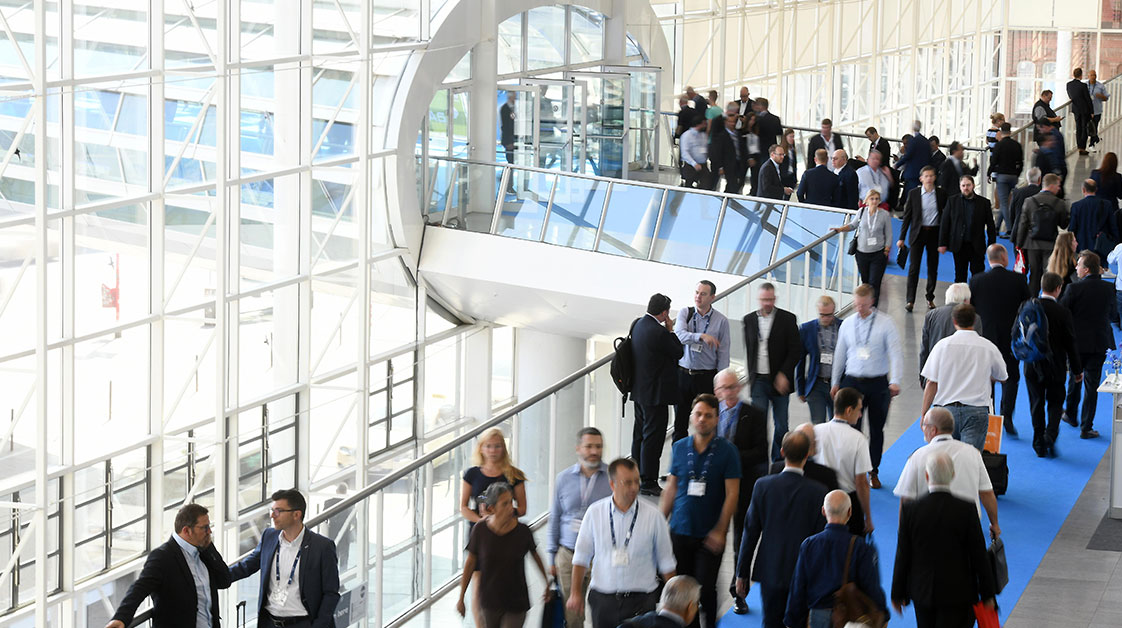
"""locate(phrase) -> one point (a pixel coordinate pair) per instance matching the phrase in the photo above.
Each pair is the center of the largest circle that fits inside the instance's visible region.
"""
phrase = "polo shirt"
(970, 474)
(963, 364)
(844, 449)
(695, 516)
(649, 552)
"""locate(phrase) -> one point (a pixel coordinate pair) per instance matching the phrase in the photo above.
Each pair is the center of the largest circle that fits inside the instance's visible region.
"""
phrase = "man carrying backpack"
(1041, 218)
(1044, 338)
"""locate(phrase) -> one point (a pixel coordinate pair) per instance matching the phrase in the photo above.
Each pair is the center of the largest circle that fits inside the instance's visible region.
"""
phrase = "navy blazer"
(319, 574)
(819, 186)
(847, 188)
(168, 580)
(1090, 216)
(915, 157)
(656, 352)
(786, 508)
(806, 371)
(1092, 302)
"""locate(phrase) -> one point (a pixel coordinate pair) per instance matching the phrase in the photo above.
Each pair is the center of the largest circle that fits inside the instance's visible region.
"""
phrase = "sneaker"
(1070, 421)
(1089, 434)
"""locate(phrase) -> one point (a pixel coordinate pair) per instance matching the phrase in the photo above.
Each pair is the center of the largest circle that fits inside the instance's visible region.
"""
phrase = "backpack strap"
(848, 558)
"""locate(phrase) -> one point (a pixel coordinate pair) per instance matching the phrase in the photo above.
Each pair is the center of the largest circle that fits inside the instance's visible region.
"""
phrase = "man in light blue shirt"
(868, 358)
(1099, 95)
(578, 487)
(704, 333)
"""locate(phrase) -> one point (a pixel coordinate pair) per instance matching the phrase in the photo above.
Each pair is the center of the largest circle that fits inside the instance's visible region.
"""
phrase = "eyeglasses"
(208, 526)
(277, 511)
(827, 315)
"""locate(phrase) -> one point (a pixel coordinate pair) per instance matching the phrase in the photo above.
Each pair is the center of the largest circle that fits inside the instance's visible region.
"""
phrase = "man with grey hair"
(915, 157)
(848, 184)
(676, 608)
(941, 563)
(1018, 195)
(814, 371)
(937, 323)
(822, 562)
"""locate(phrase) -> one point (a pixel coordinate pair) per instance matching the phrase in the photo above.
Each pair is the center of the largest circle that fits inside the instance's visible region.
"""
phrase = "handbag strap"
(848, 557)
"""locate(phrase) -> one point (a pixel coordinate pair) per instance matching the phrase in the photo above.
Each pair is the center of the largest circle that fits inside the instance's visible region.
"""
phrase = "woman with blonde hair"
(874, 240)
(492, 464)
(996, 121)
(1062, 260)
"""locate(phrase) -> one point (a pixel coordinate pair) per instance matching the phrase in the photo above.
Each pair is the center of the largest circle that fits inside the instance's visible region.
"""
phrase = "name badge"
(278, 596)
(575, 524)
(863, 353)
(696, 488)
(872, 241)
(696, 348)
(620, 558)
(827, 358)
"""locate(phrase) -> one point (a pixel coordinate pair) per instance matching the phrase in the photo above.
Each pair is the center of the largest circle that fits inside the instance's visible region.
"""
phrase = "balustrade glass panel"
(685, 234)
(630, 221)
(575, 215)
(747, 237)
(524, 206)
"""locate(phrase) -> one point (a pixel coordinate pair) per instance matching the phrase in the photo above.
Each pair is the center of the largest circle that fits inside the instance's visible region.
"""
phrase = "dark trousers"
(762, 395)
(1037, 260)
(1094, 130)
(265, 620)
(877, 399)
(1082, 129)
(927, 241)
(944, 616)
(647, 439)
(966, 258)
(1010, 385)
(774, 599)
(696, 178)
(734, 181)
(608, 610)
(871, 267)
(857, 516)
(747, 483)
(1045, 385)
(1092, 372)
(690, 385)
(697, 561)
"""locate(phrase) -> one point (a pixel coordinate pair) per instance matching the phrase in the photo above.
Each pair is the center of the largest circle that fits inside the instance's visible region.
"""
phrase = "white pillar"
(1063, 64)
(615, 34)
(483, 110)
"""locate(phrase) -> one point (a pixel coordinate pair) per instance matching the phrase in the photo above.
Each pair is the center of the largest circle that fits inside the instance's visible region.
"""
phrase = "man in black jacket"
(773, 350)
(819, 186)
(952, 169)
(1042, 114)
(878, 143)
(178, 575)
(1091, 302)
(1081, 108)
(967, 229)
(1006, 163)
(728, 154)
(847, 180)
(1018, 195)
(923, 213)
(1038, 225)
(1045, 378)
(941, 563)
(996, 295)
(745, 426)
(826, 139)
(771, 179)
(768, 125)
(654, 387)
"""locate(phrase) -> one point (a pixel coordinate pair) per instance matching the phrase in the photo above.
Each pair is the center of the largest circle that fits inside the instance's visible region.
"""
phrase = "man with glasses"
(183, 577)
(299, 569)
(815, 368)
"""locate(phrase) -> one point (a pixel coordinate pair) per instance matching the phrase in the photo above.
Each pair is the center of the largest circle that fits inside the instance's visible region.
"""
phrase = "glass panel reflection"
(575, 215)
(630, 222)
(685, 234)
(747, 237)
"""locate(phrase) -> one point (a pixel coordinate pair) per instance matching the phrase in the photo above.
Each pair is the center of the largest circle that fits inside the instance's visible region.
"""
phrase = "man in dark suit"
(178, 575)
(785, 509)
(1092, 216)
(966, 229)
(952, 169)
(728, 154)
(923, 213)
(686, 116)
(771, 178)
(300, 598)
(677, 607)
(768, 125)
(771, 368)
(1081, 108)
(654, 386)
(915, 157)
(996, 295)
(937, 154)
(848, 184)
(819, 186)
(941, 562)
(878, 143)
(827, 139)
(822, 474)
(745, 426)
(1091, 302)
(507, 117)
(1045, 378)
(1018, 195)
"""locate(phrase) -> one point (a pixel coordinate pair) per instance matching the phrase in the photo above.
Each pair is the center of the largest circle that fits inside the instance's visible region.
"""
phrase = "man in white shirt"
(873, 175)
(628, 545)
(959, 374)
(971, 480)
(846, 451)
(694, 148)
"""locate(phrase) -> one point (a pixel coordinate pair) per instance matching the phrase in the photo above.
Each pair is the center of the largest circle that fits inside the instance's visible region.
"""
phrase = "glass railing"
(700, 229)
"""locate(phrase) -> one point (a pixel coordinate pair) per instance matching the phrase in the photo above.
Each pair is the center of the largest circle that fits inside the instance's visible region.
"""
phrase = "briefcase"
(902, 256)
(998, 469)
(996, 554)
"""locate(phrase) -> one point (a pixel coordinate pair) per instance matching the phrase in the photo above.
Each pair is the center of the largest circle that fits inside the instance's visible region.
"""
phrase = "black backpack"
(1045, 223)
(622, 367)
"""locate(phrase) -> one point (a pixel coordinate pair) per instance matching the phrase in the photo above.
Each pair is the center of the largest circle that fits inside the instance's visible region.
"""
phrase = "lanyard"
(295, 562)
(874, 219)
(612, 525)
(869, 332)
(708, 319)
(704, 463)
(586, 492)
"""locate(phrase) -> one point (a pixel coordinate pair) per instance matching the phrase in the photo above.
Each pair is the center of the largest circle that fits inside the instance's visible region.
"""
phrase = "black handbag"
(902, 256)
(996, 554)
(998, 469)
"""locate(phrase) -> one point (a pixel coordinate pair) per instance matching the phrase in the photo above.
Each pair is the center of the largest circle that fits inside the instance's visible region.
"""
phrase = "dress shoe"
(1070, 421)
(930, 304)
(1089, 434)
(908, 307)
(652, 489)
(741, 607)
(874, 481)
(1010, 429)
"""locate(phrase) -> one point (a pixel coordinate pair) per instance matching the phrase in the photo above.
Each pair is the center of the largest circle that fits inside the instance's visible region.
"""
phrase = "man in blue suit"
(917, 155)
(814, 370)
(299, 569)
(847, 181)
(819, 186)
(786, 508)
(1090, 216)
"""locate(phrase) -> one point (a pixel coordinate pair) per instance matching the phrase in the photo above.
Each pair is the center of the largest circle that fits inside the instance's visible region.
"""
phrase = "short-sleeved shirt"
(501, 563)
(970, 475)
(844, 449)
(963, 365)
(479, 483)
(696, 515)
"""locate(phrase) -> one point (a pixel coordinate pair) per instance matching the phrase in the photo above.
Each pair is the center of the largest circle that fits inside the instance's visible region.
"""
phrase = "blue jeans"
(764, 394)
(821, 406)
(971, 423)
(1005, 185)
(821, 617)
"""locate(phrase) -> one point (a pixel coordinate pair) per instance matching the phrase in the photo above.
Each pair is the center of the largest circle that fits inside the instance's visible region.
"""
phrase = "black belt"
(867, 379)
(699, 371)
(958, 404)
(279, 622)
(622, 595)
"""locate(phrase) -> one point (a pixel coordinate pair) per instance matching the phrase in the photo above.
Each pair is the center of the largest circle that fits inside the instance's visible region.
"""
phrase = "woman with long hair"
(497, 553)
(492, 464)
(874, 240)
(996, 120)
(788, 169)
(1062, 260)
(1108, 180)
